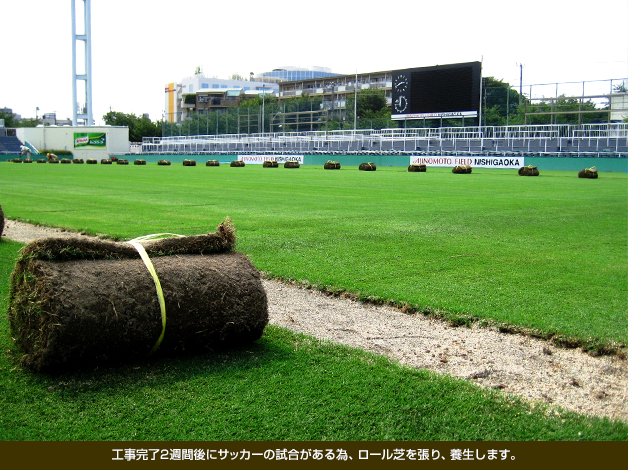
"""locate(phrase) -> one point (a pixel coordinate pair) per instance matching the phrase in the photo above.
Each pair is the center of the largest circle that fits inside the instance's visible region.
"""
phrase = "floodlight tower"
(85, 114)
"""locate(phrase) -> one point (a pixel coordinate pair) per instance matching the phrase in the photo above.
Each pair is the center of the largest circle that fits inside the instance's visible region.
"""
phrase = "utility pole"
(520, 82)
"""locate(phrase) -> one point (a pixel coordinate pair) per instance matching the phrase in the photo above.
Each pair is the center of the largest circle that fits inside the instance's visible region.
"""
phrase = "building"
(211, 94)
(214, 94)
(50, 119)
(291, 74)
(337, 88)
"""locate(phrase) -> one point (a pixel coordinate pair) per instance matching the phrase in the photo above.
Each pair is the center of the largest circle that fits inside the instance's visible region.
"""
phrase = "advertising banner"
(260, 159)
(475, 162)
(86, 140)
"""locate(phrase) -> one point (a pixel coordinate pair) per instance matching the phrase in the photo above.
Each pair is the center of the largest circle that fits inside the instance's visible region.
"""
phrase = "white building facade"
(176, 92)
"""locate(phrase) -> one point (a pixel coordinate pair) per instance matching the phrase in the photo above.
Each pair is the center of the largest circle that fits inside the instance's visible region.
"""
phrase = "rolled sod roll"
(588, 173)
(528, 170)
(462, 169)
(367, 166)
(84, 302)
(417, 167)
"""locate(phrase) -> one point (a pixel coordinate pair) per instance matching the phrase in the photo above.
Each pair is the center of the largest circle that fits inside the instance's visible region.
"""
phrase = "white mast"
(85, 113)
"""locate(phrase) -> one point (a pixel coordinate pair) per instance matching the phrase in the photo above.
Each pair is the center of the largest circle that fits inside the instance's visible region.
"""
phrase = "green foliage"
(500, 102)
(371, 105)
(568, 106)
(58, 153)
(139, 126)
(10, 120)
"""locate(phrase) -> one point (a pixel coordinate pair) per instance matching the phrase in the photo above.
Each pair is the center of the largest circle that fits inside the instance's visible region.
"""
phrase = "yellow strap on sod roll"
(151, 269)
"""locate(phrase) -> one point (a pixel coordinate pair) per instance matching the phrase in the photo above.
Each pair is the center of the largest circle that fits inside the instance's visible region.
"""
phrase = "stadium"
(511, 291)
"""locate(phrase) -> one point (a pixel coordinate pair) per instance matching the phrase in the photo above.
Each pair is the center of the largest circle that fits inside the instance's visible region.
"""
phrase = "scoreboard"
(439, 91)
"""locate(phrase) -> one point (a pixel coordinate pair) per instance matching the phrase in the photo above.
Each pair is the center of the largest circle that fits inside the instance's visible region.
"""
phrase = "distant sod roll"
(291, 164)
(189, 162)
(163, 162)
(417, 167)
(77, 303)
(462, 169)
(237, 163)
(590, 173)
(212, 163)
(331, 165)
(528, 171)
(367, 167)
(270, 164)
(139, 161)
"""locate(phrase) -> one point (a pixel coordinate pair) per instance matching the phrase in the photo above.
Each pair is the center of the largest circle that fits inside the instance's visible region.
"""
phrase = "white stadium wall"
(84, 142)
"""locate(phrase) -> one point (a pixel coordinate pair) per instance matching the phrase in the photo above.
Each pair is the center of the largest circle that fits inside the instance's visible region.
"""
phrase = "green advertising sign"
(90, 140)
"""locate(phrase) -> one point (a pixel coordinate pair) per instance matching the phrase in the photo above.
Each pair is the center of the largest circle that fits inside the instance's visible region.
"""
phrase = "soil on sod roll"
(212, 163)
(462, 169)
(270, 164)
(83, 302)
(590, 173)
(417, 167)
(331, 165)
(237, 163)
(528, 171)
(367, 166)
(1, 221)
(291, 164)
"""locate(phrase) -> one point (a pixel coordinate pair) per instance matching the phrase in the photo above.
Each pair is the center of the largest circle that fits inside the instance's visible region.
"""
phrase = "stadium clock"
(401, 103)
(400, 83)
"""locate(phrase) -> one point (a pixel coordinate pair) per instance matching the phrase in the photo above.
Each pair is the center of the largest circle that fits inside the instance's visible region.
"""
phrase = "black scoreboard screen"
(439, 91)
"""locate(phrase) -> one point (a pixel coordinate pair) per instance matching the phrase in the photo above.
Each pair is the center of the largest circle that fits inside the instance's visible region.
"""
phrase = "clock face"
(401, 104)
(400, 83)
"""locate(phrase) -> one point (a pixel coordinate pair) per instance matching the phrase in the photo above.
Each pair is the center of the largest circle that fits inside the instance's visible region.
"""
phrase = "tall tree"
(500, 102)
(139, 126)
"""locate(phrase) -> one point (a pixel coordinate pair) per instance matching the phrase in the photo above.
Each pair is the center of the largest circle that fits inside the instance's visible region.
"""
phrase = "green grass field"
(546, 253)
(284, 387)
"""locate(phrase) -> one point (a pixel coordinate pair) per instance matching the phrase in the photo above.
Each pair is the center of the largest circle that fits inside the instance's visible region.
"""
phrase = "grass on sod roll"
(546, 254)
(284, 387)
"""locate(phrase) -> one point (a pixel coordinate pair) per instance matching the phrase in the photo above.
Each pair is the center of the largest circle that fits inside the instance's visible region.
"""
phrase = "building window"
(191, 88)
(204, 85)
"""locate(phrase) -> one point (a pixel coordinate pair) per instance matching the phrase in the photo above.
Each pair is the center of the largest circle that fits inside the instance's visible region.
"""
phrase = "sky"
(139, 46)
